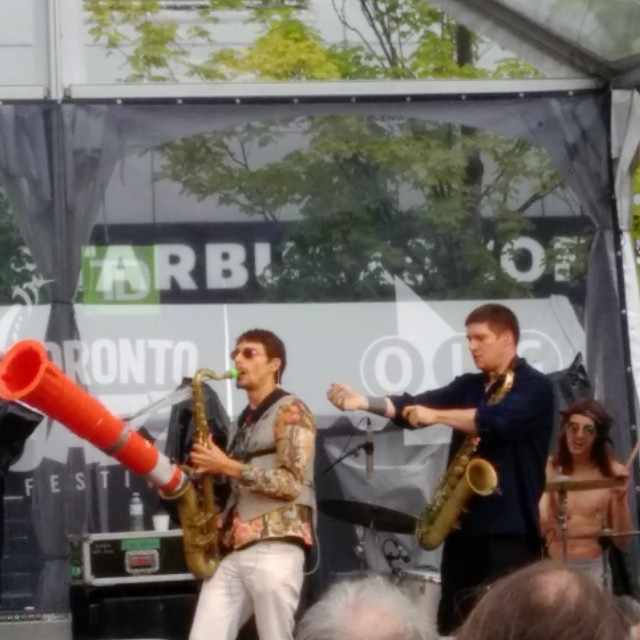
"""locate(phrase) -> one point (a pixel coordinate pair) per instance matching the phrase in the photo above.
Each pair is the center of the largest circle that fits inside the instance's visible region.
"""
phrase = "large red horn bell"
(27, 375)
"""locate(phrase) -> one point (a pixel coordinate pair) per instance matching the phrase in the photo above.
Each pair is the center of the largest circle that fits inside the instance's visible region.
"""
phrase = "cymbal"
(604, 533)
(567, 483)
(369, 515)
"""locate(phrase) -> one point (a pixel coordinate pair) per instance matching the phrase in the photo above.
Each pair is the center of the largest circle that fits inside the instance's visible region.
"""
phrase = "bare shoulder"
(551, 469)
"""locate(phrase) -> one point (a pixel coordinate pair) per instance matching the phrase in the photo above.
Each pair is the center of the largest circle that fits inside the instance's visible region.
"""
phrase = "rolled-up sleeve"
(447, 397)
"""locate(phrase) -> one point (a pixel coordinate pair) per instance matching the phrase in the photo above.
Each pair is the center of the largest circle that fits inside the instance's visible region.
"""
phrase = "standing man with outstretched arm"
(269, 519)
(500, 532)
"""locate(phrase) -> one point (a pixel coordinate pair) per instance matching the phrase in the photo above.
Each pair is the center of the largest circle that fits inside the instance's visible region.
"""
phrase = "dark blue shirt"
(515, 434)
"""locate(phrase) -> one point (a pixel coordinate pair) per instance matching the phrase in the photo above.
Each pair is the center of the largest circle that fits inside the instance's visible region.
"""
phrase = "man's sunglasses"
(247, 353)
(574, 427)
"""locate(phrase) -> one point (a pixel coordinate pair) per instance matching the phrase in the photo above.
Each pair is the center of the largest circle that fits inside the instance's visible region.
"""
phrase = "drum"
(423, 587)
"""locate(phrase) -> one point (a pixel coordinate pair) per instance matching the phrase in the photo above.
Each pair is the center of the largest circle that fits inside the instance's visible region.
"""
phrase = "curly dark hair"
(273, 346)
(601, 452)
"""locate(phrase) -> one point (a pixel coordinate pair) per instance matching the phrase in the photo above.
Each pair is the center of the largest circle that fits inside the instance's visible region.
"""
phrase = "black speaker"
(33, 625)
(151, 611)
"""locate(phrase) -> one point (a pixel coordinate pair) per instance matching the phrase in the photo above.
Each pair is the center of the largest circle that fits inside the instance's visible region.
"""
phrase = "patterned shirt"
(294, 432)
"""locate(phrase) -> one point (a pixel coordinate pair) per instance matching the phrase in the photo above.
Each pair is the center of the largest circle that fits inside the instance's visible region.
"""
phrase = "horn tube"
(27, 375)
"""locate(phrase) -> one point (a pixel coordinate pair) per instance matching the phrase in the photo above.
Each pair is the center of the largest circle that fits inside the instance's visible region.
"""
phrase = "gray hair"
(369, 608)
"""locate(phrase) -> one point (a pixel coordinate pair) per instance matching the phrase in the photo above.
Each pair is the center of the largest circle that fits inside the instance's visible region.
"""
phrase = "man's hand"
(345, 398)
(212, 459)
(419, 416)
(621, 474)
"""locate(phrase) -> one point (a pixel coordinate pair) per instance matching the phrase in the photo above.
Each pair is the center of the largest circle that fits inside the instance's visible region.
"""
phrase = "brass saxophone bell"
(467, 475)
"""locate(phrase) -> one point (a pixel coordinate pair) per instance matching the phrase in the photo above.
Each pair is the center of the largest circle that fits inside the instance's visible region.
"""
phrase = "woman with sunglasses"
(595, 489)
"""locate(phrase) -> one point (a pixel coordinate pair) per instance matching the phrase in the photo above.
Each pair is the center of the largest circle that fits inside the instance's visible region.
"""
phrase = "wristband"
(377, 405)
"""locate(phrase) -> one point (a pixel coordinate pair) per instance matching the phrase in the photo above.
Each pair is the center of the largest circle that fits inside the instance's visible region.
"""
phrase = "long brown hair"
(601, 452)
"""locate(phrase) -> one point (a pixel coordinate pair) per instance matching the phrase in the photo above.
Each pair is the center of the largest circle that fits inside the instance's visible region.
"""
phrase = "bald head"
(543, 601)
(558, 582)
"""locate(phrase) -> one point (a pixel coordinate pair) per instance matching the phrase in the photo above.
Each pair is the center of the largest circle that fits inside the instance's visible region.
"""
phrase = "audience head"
(545, 601)
(369, 608)
(630, 609)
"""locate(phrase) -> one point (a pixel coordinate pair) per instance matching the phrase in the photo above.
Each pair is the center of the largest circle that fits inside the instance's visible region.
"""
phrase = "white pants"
(265, 579)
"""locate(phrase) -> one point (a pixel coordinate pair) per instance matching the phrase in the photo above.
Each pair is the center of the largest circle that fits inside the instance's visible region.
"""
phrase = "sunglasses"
(248, 353)
(574, 427)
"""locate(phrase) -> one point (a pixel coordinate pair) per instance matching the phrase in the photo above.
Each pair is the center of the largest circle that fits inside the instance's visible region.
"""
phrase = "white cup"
(161, 521)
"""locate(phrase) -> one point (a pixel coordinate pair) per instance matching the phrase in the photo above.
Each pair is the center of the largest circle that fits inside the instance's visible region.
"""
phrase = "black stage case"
(131, 585)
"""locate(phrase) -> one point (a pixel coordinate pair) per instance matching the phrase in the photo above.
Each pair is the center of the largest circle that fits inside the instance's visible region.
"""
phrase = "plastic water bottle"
(136, 513)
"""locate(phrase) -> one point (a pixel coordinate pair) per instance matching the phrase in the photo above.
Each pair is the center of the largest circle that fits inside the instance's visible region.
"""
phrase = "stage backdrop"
(361, 231)
(382, 348)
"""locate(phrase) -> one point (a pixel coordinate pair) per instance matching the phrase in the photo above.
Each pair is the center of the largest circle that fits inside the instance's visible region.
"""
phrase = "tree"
(432, 203)
(18, 279)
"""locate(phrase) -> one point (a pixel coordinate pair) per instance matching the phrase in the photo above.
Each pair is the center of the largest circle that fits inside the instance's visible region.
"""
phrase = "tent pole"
(624, 320)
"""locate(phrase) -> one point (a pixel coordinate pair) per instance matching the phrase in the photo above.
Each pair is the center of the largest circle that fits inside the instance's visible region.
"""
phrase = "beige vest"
(259, 452)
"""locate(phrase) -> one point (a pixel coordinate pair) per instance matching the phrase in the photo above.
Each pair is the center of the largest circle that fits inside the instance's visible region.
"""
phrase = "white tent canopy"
(579, 38)
(60, 157)
(572, 38)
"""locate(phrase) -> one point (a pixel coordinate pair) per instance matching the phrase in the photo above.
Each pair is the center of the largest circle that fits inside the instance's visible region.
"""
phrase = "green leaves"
(404, 39)
(288, 50)
(434, 204)
(16, 266)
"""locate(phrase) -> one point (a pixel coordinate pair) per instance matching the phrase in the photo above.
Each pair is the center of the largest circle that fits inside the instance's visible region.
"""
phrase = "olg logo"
(119, 274)
(452, 356)
(392, 365)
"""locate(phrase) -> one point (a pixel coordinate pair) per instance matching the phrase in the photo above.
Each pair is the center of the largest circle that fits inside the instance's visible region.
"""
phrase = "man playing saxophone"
(270, 463)
(509, 407)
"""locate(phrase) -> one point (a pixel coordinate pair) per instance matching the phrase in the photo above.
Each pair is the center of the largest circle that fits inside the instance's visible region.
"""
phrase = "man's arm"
(295, 432)
(461, 419)
(393, 407)
(346, 399)
(619, 516)
(212, 459)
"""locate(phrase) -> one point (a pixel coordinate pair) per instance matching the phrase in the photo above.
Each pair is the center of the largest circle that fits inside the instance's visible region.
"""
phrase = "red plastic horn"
(26, 374)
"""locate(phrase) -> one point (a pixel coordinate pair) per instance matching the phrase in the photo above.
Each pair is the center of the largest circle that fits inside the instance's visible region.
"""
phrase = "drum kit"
(423, 584)
(420, 584)
(561, 485)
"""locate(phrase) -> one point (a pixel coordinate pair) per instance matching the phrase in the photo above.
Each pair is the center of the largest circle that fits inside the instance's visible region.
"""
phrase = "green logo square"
(119, 274)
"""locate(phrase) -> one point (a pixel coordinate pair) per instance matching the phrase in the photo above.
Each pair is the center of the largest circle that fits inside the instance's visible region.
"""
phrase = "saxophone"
(466, 475)
(196, 503)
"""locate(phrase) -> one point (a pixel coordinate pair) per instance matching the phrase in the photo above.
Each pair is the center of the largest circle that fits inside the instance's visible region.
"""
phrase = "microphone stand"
(366, 446)
(562, 519)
